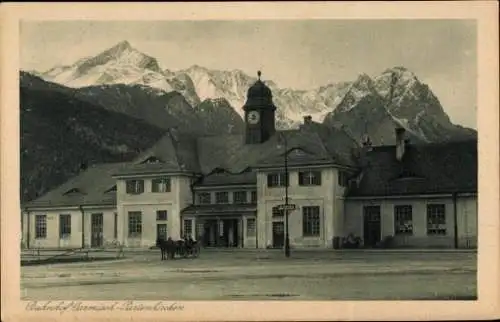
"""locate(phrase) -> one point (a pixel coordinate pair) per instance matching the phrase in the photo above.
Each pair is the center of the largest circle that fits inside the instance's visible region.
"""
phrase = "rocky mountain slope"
(128, 72)
(157, 107)
(395, 98)
(63, 127)
(59, 133)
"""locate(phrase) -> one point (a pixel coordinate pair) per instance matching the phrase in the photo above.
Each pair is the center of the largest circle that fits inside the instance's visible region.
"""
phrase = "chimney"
(307, 119)
(400, 143)
(83, 166)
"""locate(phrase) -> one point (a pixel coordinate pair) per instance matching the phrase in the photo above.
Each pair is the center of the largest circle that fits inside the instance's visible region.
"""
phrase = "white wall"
(466, 220)
(148, 203)
(328, 196)
(52, 239)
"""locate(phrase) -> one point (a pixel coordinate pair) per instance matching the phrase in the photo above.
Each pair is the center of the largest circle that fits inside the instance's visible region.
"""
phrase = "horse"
(167, 247)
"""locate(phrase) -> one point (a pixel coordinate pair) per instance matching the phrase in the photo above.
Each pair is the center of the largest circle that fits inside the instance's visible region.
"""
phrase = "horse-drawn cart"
(183, 248)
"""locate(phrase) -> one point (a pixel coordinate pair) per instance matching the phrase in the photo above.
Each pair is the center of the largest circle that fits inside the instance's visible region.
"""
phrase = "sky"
(300, 54)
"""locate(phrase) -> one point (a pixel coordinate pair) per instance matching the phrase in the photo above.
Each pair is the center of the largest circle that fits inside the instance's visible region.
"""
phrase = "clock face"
(253, 117)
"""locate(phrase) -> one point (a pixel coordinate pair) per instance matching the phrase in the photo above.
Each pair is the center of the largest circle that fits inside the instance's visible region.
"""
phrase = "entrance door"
(230, 233)
(96, 229)
(371, 235)
(161, 231)
(278, 234)
(210, 233)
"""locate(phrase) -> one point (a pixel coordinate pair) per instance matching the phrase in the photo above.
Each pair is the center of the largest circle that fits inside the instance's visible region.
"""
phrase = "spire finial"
(259, 73)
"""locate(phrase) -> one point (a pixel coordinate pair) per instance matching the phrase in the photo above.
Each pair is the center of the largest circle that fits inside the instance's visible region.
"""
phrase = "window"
(160, 185)
(310, 178)
(310, 221)
(134, 224)
(64, 226)
(277, 180)
(161, 215)
(254, 197)
(161, 231)
(152, 159)
(251, 227)
(403, 223)
(240, 197)
(135, 186)
(188, 228)
(115, 227)
(204, 198)
(222, 197)
(278, 212)
(41, 226)
(343, 179)
(436, 220)
(371, 213)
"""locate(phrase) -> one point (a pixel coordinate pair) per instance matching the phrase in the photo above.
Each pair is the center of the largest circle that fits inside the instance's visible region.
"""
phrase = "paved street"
(259, 276)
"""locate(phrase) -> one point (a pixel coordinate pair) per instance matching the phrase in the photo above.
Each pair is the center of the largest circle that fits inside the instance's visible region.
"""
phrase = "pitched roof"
(185, 152)
(225, 178)
(302, 148)
(425, 169)
(93, 186)
(337, 141)
(175, 151)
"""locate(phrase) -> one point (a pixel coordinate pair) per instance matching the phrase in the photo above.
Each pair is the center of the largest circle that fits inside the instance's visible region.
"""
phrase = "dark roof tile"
(91, 187)
(225, 178)
(425, 169)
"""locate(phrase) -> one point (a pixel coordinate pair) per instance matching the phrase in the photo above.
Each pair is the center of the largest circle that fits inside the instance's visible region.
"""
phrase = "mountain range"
(395, 97)
(110, 106)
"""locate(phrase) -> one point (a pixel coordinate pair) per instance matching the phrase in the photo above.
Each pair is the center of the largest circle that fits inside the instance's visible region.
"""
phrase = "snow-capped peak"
(397, 89)
(357, 90)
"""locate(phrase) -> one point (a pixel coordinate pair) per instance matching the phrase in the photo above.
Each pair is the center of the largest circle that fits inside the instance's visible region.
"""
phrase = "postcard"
(250, 161)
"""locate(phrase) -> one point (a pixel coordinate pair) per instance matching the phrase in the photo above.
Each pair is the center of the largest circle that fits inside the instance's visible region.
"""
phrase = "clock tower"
(259, 113)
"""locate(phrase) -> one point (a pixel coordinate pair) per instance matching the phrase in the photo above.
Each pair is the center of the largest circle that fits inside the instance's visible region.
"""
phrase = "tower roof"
(259, 95)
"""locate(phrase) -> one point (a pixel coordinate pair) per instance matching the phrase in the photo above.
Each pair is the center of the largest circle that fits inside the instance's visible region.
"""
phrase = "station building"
(227, 191)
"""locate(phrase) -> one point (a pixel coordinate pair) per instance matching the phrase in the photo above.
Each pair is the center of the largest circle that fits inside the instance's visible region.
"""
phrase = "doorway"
(221, 233)
(96, 229)
(278, 234)
(371, 231)
(161, 231)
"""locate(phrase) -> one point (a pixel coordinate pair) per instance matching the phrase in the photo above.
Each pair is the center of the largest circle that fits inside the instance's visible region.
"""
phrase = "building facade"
(226, 191)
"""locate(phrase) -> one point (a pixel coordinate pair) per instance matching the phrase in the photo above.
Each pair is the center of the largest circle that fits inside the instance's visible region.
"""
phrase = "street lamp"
(287, 237)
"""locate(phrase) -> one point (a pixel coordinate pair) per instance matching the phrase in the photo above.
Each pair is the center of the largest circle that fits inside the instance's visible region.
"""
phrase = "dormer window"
(310, 178)
(135, 187)
(152, 159)
(161, 185)
(73, 191)
(297, 152)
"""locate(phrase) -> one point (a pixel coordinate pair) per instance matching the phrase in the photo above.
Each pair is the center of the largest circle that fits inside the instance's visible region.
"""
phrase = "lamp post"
(287, 238)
